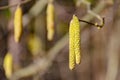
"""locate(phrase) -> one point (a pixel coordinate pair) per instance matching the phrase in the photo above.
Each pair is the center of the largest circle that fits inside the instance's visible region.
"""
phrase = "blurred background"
(36, 58)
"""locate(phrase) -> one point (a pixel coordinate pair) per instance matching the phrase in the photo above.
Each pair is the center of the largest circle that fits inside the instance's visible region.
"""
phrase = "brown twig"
(94, 24)
(8, 6)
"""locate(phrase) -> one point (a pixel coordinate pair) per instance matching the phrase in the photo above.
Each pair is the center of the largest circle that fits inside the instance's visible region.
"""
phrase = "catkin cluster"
(18, 24)
(74, 42)
(50, 21)
(7, 64)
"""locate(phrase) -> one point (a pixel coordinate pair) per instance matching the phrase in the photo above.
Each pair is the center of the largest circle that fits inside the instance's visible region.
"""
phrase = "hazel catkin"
(71, 46)
(7, 64)
(77, 39)
(18, 24)
(74, 42)
(50, 21)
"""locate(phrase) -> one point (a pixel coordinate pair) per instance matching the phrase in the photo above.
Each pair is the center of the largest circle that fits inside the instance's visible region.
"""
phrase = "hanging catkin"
(77, 39)
(50, 21)
(74, 42)
(71, 45)
(7, 64)
(18, 24)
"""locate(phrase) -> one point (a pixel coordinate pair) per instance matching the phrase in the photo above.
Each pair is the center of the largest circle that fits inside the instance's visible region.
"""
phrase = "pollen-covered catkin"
(71, 46)
(77, 39)
(74, 42)
(18, 24)
(50, 21)
(7, 64)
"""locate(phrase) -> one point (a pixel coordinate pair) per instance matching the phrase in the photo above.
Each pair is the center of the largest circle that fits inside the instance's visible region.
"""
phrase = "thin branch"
(94, 24)
(8, 6)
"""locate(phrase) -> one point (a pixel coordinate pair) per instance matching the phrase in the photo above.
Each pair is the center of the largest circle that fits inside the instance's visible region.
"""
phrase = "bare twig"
(94, 24)
(8, 6)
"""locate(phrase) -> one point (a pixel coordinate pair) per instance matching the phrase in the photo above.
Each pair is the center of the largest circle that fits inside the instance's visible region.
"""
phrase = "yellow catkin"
(7, 64)
(77, 39)
(74, 42)
(18, 24)
(34, 44)
(50, 21)
(71, 45)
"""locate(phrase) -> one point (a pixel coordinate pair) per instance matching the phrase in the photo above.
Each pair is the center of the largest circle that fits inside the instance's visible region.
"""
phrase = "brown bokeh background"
(99, 48)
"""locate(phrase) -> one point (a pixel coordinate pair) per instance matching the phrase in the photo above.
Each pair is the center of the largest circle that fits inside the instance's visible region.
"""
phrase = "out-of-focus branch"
(8, 6)
(42, 64)
(114, 46)
(38, 7)
(34, 11)
(92, 12)
(113, 55)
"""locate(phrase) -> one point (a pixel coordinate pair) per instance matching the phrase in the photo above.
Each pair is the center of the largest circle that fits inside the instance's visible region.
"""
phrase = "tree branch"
(8, 6)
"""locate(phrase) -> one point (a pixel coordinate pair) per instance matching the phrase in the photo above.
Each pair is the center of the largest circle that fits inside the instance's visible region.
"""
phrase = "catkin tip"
(71, 67)
(98, 27)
